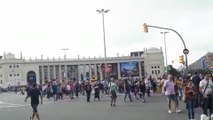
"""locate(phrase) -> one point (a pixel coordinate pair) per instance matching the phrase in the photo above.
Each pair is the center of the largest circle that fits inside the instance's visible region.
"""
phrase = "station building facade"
(19, 71)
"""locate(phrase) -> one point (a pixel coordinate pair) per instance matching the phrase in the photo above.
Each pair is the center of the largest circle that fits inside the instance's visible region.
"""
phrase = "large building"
(18, 71)
(205, 62)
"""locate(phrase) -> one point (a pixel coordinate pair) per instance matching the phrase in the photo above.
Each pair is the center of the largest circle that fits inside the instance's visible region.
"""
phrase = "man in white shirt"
(206, 90)
(148, 86)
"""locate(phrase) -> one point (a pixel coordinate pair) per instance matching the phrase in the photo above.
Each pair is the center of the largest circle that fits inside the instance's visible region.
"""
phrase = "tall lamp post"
(164, 38)
(185, 51)
(64, 49)
(102, 11)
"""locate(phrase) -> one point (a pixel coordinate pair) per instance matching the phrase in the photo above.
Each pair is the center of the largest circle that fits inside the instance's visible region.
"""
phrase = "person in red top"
(190, 94)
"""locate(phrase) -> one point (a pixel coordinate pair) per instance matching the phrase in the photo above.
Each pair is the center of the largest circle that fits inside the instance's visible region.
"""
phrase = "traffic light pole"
(186, 60)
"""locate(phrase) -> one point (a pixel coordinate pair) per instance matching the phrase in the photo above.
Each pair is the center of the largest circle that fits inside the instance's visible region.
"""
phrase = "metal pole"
(164, 38)
(186, 60)
(102, 11)
(105, 56)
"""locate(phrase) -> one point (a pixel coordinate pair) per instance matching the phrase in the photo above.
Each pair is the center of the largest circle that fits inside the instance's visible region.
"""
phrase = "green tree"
(173, 71)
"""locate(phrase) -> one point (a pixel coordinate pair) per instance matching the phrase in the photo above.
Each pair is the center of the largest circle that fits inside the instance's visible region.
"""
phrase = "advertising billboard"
(129, 69)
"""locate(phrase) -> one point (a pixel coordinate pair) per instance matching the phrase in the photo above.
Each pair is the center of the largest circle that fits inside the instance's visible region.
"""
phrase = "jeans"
(207, 104)
(88, 95)
(129, 95)
(191, 107)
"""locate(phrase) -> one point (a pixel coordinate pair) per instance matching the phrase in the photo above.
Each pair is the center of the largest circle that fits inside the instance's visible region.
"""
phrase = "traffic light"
(145, 27)
(181, 59)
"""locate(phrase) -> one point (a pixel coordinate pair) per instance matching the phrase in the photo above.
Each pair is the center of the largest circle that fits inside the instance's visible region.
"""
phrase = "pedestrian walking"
(55, 92)
(88, 89)
(113, 91)
(34, 94)
(148, 86)
(190, 97)
(169, 89)
(127, 89)
(142, 89)
(196, 81)
(97, 90)
(206, 90)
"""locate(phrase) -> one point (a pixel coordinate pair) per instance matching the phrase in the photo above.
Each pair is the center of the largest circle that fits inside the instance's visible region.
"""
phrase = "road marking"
(12, 105)
(9, 105)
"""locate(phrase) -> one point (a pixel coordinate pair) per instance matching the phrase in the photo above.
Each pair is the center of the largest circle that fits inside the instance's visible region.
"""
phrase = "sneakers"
(178, 111)
(169, 111)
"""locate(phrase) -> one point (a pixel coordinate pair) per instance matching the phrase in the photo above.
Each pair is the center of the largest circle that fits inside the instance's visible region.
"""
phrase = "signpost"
(185, 51)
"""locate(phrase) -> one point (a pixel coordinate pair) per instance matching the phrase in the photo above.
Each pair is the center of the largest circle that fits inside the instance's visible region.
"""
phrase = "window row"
(14, 75)
(155, 67)
(155, 71)
(14, 66)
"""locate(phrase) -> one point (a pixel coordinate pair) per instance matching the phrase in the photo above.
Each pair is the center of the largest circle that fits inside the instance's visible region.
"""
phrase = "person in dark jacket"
(34, 94)
(97, 91)
(142, 89)
(196, 81)
(127, 89)
(88, 89)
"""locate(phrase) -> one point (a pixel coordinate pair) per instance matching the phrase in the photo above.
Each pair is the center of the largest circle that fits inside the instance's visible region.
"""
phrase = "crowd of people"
(195, 91)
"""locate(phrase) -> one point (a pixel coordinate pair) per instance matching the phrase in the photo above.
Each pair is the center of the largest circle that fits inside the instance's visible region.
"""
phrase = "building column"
(42, 74)
(100, 71)
(59, 77)
(96, 72)
(65, 72)
(79, 73)
(90, 71)
(119, 70)
(140, 75)
(54, 72)
(84, 72)
(48, 73)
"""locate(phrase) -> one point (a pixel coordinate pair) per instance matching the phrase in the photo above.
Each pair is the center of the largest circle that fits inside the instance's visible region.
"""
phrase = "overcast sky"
(44, 27)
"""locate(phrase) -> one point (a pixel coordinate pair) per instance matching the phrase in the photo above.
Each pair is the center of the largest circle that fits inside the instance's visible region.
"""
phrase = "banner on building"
(129, 69)
(107, 69)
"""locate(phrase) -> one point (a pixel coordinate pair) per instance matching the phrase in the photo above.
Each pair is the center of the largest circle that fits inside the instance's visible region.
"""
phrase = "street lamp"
(102, 11)
(185, 51)
(164, 38)
(64, 49)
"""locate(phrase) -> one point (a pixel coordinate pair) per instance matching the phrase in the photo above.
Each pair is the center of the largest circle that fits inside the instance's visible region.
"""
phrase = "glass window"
(152, 71)
(0, 67)
(158, 66)
(17, 66)
(155, 67)
(11, 75)
(158, 71)
(152, 67)
(10, 66)
(17, 74)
